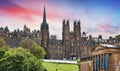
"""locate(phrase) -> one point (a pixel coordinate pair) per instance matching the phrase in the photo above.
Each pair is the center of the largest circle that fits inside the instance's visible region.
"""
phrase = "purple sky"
(98, 17)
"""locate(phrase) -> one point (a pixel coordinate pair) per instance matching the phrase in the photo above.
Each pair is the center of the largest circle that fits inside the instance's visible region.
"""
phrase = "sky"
(97, 17)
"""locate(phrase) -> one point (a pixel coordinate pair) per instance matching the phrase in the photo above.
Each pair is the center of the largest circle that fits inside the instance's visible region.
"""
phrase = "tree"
(26, 58)
(6, 30)
(19, 59)
(34, 48)
(117, 38)
(3, 43)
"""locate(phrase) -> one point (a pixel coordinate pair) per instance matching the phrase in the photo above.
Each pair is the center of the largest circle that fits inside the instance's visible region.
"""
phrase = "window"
(66, 53)
(96, 64)
(72, 44)
(104, 62)
(72, 50)
(77, 50)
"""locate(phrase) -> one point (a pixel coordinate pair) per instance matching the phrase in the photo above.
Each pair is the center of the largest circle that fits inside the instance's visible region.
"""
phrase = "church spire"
(44, 25)
(44, 15)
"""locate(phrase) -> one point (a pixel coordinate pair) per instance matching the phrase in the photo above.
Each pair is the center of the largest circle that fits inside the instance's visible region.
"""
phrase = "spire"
(44, 15)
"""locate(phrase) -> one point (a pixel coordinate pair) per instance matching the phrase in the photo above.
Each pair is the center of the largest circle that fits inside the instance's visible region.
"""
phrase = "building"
(73, 44)
(103, 57)
(68, 47)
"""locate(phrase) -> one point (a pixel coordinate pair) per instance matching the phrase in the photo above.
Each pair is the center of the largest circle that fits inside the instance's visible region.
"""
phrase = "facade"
(68, 47)
(103, 57)
(73, 45)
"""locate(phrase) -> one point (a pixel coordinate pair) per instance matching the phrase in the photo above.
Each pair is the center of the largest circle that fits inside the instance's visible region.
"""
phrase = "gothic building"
(45, 33)
(68, 47)
(71, 40)
(73, 45)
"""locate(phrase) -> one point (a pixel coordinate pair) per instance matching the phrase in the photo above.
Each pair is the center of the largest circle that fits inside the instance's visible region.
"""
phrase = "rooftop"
(109, 45)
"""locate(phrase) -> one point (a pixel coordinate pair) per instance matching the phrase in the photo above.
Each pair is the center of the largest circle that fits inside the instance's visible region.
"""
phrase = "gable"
(97, 48)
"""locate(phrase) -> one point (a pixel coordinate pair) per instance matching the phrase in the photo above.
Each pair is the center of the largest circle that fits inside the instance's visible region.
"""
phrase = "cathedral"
(73, 45)
(68, 47)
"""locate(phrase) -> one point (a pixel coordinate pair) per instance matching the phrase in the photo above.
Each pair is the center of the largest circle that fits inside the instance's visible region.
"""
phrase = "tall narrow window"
(72, 50)
(104, 62)
(96, 64)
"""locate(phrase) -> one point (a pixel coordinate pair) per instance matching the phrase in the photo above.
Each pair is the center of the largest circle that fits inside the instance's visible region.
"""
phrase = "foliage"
(117, 38)
(3, 43)
(60, 67)
(34, 48)
(19, 59)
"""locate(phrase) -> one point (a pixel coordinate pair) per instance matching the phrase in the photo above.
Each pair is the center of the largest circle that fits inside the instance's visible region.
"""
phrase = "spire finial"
(44, 15)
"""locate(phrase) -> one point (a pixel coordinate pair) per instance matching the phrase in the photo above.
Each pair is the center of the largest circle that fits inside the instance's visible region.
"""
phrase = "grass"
(61, 67)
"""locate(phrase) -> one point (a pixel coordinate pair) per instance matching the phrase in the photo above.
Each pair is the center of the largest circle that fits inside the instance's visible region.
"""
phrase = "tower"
(77, 31)
(66, 43)
(45, 33)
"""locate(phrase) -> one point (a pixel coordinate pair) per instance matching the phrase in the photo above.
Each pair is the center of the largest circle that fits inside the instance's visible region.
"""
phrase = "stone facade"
(103, 57)
(71, 40)
(73, 45)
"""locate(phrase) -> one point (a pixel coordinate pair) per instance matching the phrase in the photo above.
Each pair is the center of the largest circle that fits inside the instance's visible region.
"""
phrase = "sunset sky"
(98, 17)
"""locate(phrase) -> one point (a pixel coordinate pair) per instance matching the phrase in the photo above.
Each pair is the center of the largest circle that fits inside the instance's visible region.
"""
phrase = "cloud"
(14, 10)
(23, 12)
(109, 28)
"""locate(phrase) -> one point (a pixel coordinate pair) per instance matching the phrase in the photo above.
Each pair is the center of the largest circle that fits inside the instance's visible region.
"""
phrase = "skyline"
(99, 17)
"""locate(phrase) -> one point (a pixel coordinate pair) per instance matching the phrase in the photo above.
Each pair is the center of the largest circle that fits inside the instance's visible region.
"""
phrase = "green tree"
(24, 58)
(3, 43)
(34, 48)
(19, 59)
(117, 38)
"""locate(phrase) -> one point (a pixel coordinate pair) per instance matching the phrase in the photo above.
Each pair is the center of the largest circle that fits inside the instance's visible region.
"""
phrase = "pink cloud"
(104, 27)
(19, 12)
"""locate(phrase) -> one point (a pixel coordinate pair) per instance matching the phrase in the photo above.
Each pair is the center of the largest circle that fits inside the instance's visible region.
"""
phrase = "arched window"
(72, 50)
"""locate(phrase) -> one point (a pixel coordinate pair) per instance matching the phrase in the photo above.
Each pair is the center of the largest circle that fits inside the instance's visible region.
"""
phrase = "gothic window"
(66, 53)
(72, 44)
(78, 48)
(72, 50)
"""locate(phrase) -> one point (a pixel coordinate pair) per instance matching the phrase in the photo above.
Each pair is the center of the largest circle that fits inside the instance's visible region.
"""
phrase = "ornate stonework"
(73, 44)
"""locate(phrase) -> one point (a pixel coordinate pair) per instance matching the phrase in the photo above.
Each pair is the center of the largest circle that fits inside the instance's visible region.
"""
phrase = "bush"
(34, 48)
(19, 59)
(24, 58)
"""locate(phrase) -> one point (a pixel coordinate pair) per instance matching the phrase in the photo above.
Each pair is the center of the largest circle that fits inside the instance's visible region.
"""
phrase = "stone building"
(73, 44)
(68, 47)
(103, 57)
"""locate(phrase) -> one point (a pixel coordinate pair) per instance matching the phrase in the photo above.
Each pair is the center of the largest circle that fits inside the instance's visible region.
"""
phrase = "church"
(95, 54)
(92, 52)
(68, 47)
